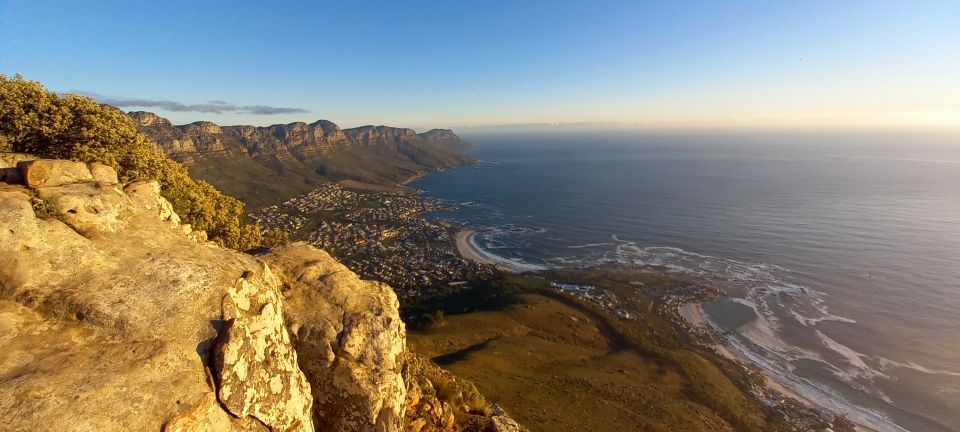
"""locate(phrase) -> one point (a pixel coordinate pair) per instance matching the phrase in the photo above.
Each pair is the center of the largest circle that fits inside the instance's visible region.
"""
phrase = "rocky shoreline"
(682, 307)
(773, 390)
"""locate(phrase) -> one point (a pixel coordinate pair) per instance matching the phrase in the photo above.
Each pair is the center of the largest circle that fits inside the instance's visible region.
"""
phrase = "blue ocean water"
(843, 249)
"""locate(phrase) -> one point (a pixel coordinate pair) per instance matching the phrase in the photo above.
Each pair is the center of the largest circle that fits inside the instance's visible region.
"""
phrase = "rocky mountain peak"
(144, 118)
(202, 127)
(326, 126)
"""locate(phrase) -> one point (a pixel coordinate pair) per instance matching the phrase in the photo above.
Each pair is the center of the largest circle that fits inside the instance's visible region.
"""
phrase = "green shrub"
(41, 207)
(274, 237)
(34, 120)
(447, 387)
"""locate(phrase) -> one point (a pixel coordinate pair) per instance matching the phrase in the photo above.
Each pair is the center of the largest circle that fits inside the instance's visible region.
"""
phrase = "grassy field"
(380, 168)
(257, 183)
(559, 364)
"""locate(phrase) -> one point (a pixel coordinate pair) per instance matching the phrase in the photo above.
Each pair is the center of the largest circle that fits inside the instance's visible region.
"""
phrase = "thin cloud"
(212, 107)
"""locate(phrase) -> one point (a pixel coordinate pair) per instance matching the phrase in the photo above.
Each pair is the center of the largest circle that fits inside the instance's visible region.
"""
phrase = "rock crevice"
(115, 317)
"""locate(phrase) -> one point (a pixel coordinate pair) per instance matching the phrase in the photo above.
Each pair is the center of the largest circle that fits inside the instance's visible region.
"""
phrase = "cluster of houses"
(379, 235)
(604, 298)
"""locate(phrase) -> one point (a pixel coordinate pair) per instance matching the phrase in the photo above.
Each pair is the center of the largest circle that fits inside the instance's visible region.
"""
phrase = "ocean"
(840, 251)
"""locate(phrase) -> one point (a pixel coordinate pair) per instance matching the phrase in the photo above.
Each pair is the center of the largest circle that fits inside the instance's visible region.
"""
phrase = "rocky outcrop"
(445, 138)
(148, 119)
(438, 401)
(350, 339)
(501, 422)
(8, 166)
(115, 317)
(299, 141)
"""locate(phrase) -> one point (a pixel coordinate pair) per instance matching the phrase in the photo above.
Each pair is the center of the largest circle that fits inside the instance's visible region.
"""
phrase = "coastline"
(467, 248)
(694, 315)
(464, 239)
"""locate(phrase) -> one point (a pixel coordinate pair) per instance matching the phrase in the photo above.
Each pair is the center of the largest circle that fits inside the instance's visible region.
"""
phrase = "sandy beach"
(466, 249)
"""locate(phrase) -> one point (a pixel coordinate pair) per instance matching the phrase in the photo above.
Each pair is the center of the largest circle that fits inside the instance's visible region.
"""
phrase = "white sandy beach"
(467, 249)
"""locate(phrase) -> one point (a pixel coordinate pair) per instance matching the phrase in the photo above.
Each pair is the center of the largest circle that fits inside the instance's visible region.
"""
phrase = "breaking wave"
(767, 290)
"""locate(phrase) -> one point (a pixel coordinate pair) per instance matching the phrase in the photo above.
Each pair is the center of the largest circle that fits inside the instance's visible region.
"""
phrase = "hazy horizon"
(750, 64)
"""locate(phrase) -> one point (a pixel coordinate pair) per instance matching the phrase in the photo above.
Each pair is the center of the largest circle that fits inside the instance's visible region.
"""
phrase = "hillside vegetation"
(266, 165)
(562, 364)
(41, 122)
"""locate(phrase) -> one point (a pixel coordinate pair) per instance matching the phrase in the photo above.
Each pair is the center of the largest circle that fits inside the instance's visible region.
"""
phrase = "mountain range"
(269, 164)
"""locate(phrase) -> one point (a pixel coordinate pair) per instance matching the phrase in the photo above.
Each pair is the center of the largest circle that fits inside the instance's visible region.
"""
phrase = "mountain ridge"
(299, 139)
(264, 165)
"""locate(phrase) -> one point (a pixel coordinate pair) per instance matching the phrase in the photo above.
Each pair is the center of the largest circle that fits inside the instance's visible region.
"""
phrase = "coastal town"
(379, 235)
(603, 298)
(386, 236)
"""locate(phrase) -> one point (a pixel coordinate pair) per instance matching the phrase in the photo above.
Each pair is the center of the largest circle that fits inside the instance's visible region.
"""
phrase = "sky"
(425, 64)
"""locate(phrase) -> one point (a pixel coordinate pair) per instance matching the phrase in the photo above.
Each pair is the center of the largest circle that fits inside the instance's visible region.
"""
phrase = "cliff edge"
(114, 317)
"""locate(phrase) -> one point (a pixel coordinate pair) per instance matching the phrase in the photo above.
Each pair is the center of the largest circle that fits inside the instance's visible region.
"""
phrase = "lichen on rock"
(110, 314)
(256, 366)
(116, 317)
(350, 339)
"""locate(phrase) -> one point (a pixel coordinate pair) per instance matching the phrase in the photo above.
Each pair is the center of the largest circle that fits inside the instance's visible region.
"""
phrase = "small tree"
(34, 120)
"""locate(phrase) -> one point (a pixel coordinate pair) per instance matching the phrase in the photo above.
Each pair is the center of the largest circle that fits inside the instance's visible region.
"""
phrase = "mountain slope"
(265, 165)
(117, 317)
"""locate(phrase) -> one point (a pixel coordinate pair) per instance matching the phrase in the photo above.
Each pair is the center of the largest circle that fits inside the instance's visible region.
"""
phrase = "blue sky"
(454, 63)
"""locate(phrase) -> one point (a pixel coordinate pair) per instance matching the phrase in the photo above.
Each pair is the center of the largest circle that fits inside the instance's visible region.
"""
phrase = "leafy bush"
(41, 207)
(445, 386)
(274, 237)
(34, 120)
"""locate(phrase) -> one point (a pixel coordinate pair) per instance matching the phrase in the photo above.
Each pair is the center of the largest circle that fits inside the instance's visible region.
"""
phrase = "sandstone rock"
(445, 138)
(447, 416)
(256, 378)
(417, 425)
(413, 393)
(9, 173)
(10, 160)
(103, 173)
(144, 118)
(204, 127)
(90, 207)
(349, 337)
(206, 415)
(147, 192)
(49, 172)
(503, 423)
(301, 141)
(111, 317)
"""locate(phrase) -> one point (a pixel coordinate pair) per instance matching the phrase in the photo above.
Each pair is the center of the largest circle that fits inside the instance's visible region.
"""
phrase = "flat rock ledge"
(114, 317)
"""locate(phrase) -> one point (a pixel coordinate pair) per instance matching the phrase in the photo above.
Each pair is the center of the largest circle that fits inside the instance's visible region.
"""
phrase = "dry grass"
(556, 367)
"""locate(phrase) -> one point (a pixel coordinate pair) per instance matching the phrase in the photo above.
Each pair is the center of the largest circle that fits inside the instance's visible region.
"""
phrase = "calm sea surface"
(842, 250)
